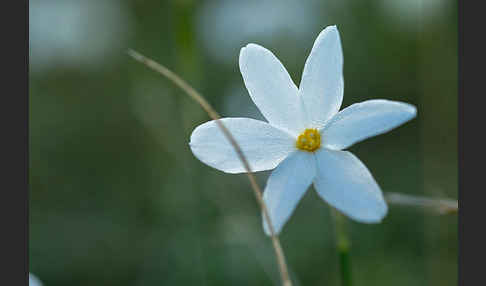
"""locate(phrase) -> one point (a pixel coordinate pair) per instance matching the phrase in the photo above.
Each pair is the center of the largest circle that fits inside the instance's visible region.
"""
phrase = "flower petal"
(286, 186)
(271, 88)
(345, 183)
(322, 83)
(363, 120)
(263, 145)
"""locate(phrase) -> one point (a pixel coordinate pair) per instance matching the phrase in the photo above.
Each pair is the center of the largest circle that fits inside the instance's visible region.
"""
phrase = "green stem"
(343, 245)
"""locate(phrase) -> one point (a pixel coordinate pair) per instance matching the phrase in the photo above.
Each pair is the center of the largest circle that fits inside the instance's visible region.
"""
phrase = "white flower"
(305, 134)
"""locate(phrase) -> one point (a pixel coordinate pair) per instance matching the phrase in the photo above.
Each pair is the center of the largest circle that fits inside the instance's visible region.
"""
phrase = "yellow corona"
(309, 140)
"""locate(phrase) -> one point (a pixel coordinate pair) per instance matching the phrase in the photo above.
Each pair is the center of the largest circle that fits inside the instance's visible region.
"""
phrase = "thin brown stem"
(214, 115)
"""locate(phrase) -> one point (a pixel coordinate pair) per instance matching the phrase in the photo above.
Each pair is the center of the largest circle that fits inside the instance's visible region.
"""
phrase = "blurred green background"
(116, 196)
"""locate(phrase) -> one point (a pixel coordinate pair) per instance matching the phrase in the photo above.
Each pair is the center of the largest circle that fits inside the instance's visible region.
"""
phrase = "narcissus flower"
(305, 134)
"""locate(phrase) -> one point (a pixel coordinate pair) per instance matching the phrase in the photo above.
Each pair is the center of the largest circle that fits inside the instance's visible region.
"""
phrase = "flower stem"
(284, 273)
(343, 245)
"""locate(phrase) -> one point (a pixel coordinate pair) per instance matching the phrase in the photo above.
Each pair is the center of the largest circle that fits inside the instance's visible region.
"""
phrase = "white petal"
(322, 83)
(271, 88)
(33, 280)
(363, 120)
(345, 183)
(286, 186)
(263, 145)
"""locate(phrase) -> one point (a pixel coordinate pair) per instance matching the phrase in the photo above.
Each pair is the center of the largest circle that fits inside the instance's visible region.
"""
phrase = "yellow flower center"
(309, 141)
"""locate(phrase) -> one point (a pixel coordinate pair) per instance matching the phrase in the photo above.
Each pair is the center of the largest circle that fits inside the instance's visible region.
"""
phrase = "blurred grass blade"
(439, 206)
